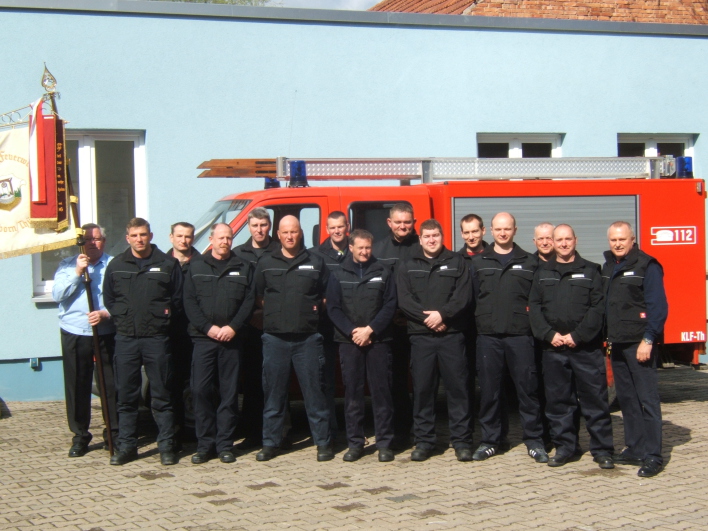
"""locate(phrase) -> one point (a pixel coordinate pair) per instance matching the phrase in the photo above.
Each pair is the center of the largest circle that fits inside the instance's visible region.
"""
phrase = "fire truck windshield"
(221, 212)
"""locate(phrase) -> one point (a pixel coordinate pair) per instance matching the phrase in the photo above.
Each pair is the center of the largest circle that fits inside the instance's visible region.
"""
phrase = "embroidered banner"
(17, 235)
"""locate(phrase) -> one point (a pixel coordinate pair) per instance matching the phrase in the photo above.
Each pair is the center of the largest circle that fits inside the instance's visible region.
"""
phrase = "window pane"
(309, 216)
(534, 150)
(670, 148)
(115, 190)
(372, 216)
(310, 223)
(493, 150)
(630, 149)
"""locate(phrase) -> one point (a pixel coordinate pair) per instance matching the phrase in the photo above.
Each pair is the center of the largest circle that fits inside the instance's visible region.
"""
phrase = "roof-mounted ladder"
(430, 170)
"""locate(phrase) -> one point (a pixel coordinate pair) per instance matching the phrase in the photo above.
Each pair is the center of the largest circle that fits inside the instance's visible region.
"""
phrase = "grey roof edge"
(330, 16)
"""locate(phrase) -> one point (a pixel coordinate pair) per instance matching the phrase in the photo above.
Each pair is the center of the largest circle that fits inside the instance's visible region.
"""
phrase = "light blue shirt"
(70, 292)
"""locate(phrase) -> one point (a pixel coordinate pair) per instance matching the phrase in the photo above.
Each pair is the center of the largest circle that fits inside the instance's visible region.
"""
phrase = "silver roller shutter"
(589, 216)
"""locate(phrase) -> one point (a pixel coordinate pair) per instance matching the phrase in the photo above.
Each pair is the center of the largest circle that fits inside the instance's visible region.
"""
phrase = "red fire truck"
(668, 213)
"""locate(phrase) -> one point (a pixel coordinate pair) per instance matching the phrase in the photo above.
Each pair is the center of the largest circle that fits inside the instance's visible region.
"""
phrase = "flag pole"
(49, 84)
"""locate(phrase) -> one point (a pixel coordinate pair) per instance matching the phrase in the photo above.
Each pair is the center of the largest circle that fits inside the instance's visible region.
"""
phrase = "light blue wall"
(228, 87)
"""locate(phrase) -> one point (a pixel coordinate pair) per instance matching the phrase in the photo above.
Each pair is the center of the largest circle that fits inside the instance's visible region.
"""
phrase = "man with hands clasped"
(566, 307)
(218, 299)
(361, 302)
(435, 294)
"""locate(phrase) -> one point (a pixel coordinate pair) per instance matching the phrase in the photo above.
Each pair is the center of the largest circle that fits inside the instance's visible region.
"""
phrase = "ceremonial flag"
(17, 235)
(47, 170)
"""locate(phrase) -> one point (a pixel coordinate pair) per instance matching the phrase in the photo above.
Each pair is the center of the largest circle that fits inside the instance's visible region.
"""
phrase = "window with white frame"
(655, 145)
(108, 172)
(518, 145)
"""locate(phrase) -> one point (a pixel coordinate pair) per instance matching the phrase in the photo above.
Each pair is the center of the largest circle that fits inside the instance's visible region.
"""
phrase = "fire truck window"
(630, 149)
(371, 216)
(241, 236)
(670, 148)
(535, 150)
(493, 150)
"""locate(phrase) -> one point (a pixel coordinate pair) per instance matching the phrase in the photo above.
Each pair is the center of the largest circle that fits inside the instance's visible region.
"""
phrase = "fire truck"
(667, 210)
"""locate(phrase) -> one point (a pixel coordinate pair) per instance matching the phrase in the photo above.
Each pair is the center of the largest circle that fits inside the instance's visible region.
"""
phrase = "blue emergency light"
(298, 174)
(271, 182)
(684, 167)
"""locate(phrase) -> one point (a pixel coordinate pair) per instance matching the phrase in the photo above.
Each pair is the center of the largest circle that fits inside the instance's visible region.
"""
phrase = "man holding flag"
(76, 321)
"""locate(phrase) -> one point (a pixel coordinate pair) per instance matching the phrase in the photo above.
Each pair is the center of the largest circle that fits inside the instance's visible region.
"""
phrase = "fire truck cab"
(668, 213)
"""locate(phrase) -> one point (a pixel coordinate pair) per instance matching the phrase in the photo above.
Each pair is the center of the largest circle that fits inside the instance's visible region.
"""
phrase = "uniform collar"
(575, 265)
(231, 260)
(272, 245)
(372, 265)
(408, 240)
(156, 256)
(327, 248)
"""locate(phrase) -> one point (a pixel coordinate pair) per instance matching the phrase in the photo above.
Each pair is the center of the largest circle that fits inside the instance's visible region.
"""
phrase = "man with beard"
(218, 299)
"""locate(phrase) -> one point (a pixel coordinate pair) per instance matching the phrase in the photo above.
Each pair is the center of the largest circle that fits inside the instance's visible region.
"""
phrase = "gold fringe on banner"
(43, 223)
(38, 248)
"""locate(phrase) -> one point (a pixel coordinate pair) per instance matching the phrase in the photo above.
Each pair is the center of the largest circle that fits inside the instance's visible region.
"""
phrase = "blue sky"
(330, 4)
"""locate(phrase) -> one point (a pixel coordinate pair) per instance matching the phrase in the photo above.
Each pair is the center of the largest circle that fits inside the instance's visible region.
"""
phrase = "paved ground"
(42, 488)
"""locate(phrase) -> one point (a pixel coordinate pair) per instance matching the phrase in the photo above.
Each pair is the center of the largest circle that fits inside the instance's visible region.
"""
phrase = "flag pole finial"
(49, 82)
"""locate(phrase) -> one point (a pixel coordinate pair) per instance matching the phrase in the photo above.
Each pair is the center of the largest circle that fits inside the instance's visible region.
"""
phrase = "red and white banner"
(47, 170)
(18, 234)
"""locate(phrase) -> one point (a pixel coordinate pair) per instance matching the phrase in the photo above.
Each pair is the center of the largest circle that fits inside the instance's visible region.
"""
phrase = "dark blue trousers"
(215, 367)
(305, 354)
(587, 368)
(400, 368)
(434, 356)
(330, 380)
(131, 354)
(638, 394)
(517, 353)
(182, 347)
(362, 365)
(77, 360)
(251, 422)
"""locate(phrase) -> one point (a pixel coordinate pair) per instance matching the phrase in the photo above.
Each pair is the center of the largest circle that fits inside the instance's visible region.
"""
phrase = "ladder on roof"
(430, 170)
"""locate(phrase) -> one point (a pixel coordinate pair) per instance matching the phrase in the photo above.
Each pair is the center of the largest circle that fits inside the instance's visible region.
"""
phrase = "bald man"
(502, 277)
(290, 287)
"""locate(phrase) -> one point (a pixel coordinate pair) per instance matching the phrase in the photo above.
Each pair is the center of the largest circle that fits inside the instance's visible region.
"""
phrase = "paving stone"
(41, 488)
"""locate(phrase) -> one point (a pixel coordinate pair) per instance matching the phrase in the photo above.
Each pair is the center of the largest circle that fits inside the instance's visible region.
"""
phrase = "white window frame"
(88, 201)
(651, 140)
(516, 139)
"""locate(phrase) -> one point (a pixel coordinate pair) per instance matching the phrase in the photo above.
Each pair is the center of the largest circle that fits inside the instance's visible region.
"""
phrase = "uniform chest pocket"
(447, 279)
(373, 290)
(122, 281)
(162, 279)
(274, 279)
(632, 280)
(203, 284)
(524, 277)
(580, 290)
(235, 285)
(419, 281)
(377, 286)
(306, 279)
(488, 279)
